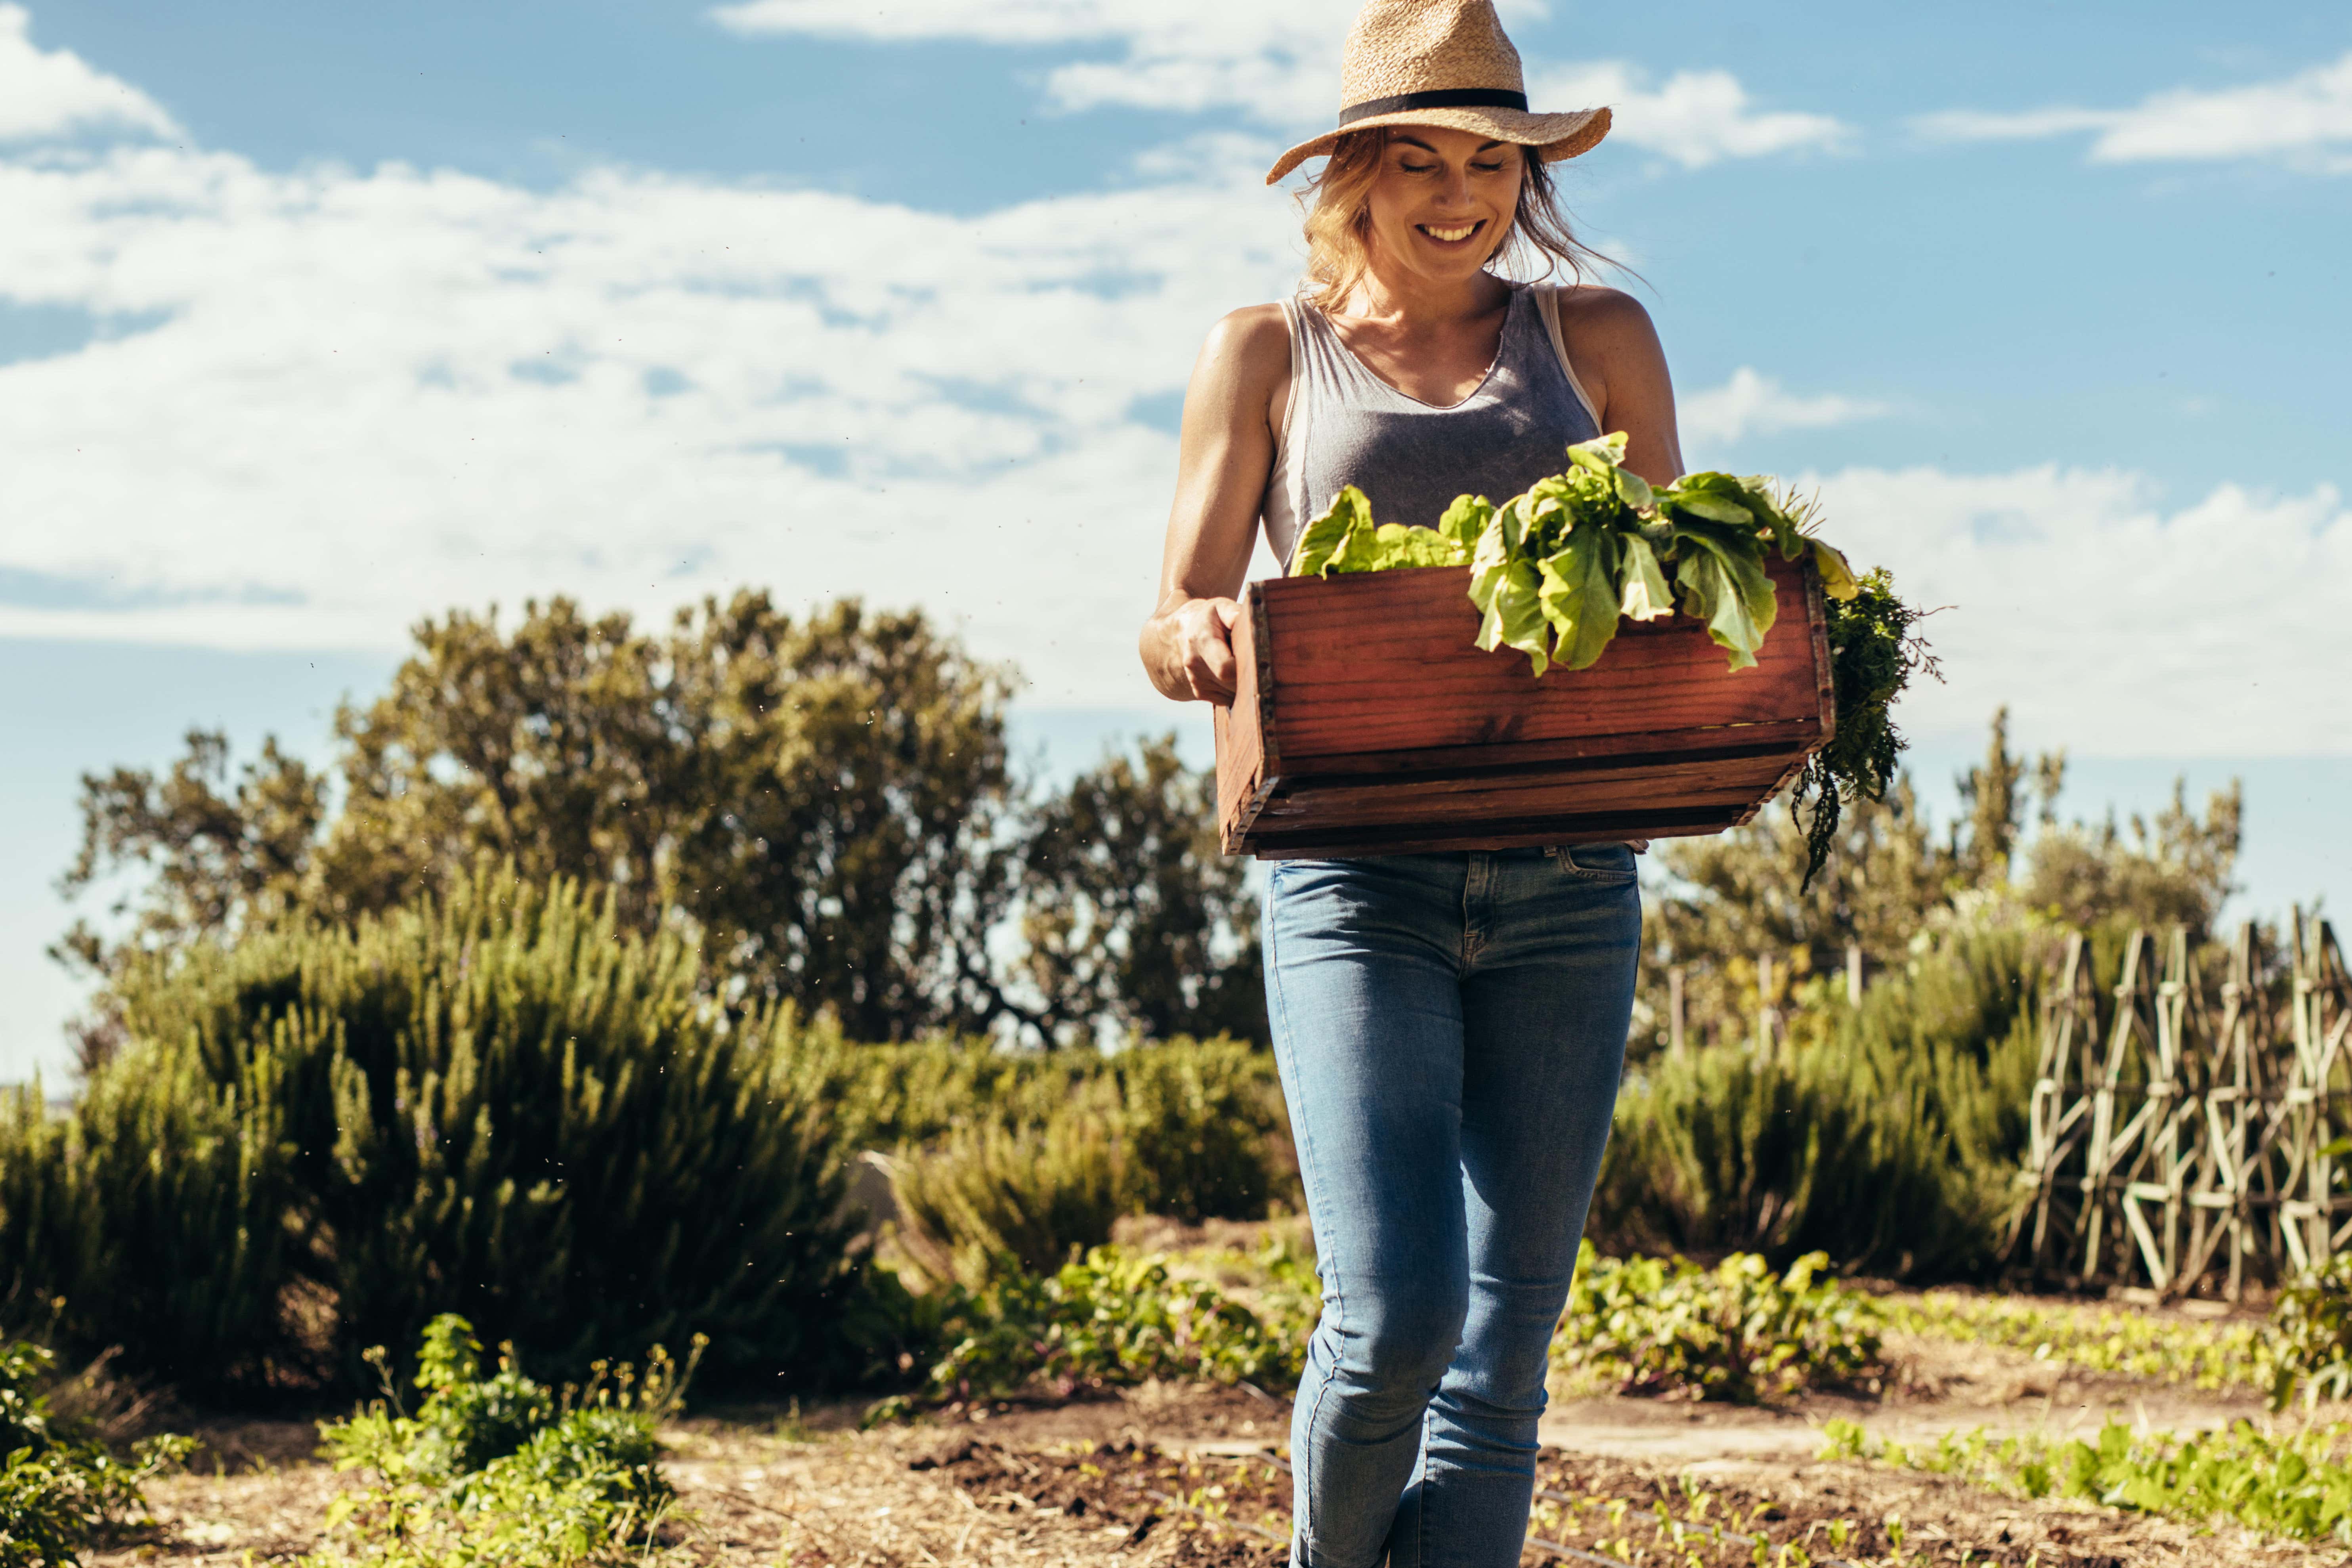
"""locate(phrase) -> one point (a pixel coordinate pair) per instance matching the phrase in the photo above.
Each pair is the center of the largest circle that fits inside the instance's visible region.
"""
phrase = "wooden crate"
(1366, 723)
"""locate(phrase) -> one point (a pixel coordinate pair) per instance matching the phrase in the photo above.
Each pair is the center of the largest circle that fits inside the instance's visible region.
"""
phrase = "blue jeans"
(1450, 1029)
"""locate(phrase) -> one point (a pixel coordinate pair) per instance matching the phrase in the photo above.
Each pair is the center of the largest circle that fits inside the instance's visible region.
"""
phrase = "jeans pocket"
(1596, 862)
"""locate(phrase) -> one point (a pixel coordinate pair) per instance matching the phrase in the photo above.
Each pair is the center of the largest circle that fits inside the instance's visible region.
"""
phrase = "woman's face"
(1442, 202)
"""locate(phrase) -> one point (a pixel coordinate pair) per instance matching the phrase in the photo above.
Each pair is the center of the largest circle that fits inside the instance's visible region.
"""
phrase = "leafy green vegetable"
(2294, 1484)
(1345, 539)
(1873, 654)
(1723, 584)
(1311, 556)
(1554, 569)
(1580, 595)
(1738, 1331)
(1515, 617)
(1646, 595)
(1465, 521)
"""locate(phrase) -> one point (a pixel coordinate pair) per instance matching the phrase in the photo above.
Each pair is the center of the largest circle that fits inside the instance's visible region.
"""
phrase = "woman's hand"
(1232, 409)
(1189, 649)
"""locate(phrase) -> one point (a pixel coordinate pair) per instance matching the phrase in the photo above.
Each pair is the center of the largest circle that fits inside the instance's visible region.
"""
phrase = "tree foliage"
(824, 804)
(1895, 883)
(1131, 915)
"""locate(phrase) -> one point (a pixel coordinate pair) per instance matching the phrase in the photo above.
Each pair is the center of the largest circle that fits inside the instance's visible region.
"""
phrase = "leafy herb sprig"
(1553, 570)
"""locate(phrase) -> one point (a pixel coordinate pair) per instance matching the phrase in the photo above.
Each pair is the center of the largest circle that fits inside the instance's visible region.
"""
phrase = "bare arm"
(1226, 452)
(1624, 367)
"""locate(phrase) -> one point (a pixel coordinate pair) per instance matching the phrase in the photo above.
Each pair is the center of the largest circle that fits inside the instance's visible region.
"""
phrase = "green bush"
(59, 1494)
(1891, 1144)
(1048, 1153)
(1738, 1331)
(887, 1097)
(1723, 1151)
(494, 1104)
(2307, 1344)
(1199, 1122)
(155, 1208)
(1203, 1119)
(1114, 1319)
(502, 1470)
(989, 1202)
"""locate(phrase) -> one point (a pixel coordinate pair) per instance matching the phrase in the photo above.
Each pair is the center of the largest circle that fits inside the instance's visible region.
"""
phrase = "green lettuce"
(1580, 596)
(1555, 568)
(1466, 519)
(1721, 577)
(1321, 539)
(1646, 595)
(1345, 539)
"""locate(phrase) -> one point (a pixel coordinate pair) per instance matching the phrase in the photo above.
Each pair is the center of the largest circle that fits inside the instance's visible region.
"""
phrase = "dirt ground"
(1192, 1476)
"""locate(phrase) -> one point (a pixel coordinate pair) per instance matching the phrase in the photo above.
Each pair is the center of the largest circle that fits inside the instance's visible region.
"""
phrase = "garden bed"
(999, 1486)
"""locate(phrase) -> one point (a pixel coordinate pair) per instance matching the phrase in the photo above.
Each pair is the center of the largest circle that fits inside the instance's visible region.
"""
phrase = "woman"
(1449, 1028)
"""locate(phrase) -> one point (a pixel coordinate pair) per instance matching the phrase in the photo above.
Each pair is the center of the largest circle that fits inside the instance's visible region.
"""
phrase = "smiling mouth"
(1451, 233)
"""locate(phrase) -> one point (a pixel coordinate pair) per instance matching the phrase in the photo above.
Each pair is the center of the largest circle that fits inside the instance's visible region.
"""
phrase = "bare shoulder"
(1251, 343)
(1592, 309)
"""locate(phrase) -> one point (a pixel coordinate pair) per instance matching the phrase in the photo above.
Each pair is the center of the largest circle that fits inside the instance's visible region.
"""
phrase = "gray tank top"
(1344, 426)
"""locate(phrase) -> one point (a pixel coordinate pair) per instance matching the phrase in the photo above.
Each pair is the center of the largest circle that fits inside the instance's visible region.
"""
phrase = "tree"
(2175, 870)
(215, 854)
(1741, 894)
(824, 802)
(1132, 917)
(808, 794)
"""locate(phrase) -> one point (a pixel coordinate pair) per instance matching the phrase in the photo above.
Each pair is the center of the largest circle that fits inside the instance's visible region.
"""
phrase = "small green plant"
(2295, 1484)
(59, 1495)
(1738, 1331)
(502, 1470)
(2102, 1339)
(2307, 1344)
(1113, 1319)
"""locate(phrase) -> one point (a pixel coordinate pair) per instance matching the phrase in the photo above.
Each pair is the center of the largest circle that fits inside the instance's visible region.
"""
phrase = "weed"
(2135, 1344)
(1113, 1319)
(2295, 1485)
(58, 1494)
(1739, 1331)
(502, 1470)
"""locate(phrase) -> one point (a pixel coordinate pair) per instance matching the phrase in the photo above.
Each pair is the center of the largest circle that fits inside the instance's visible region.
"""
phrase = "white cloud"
(48, 93)
(365, 397)
(2112, 622)
(1752, 404)
(2305, 120)
(1696, 118)
(375, 395)
(1278, 63)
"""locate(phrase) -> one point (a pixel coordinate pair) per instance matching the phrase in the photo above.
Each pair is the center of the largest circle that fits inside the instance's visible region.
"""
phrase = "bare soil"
(1189, 1477)
(1190, 1480)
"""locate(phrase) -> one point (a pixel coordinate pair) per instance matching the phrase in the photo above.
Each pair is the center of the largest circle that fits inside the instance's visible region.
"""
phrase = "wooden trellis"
(2182, 1137)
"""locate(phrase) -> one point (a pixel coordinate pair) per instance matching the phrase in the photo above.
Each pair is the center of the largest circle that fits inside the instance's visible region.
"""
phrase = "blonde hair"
(1539, 237)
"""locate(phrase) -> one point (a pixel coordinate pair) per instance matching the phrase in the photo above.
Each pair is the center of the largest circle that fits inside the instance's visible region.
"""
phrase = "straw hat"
(1441, 62)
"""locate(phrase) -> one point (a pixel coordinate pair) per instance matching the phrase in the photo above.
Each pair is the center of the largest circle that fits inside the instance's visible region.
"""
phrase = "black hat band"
(1441, 97)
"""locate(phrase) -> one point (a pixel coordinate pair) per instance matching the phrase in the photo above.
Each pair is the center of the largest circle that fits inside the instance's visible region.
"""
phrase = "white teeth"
(1448, 234)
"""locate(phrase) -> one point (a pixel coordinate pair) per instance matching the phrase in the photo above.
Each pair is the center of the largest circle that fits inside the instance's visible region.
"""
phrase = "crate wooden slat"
(1366, 723)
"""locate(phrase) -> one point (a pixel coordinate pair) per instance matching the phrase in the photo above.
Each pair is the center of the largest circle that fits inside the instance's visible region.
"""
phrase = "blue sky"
(316, 320)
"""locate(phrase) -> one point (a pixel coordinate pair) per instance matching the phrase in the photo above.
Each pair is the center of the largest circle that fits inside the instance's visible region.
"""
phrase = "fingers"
(1214, 672)
(1209, 651)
